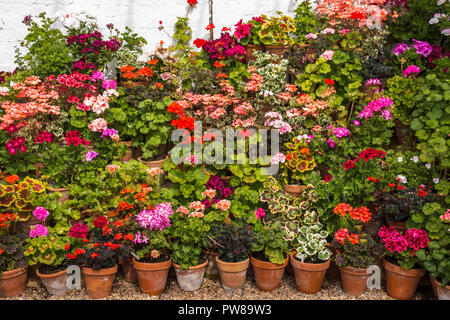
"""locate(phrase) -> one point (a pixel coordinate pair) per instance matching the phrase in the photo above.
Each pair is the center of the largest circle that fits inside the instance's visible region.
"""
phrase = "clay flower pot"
(99, 282)
(250, 49)
(152, 276)
(401, 284)
(232, 274)
(439, 292)
(55, 283)
(13, 282)
(190, 279)
(399, 226)
(112, 212)
(211, 272)
(268, 275)
(333, 271)
(153, 164)
(354, 280)
(129, 273)
(294, 189)
(129, 154)
(278, 50)
(309, 276)
(64, 191)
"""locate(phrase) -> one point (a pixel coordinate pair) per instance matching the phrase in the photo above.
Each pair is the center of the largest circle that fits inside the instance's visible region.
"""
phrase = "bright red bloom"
(349, 164)
(94, 255)
(100, 222)
(210, 26)
(192, 2)
(329, 82)
(199, 42)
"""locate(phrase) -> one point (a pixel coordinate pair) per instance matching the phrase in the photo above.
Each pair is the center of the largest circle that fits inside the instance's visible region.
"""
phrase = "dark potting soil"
(51, 269)
(161, 258)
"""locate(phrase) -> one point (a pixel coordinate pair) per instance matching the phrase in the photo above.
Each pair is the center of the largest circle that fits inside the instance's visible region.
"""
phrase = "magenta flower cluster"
(340, 132)
(40, 213)
(382, 105)
(109, 132)
(259, 213)
(79, 231)
(414, 239)
(242, 29)
(157, 219)
(38, 230)
(422, 47)
(93, 42)
(400, 48)
(411, 69)
(224, 47)
(223, 191)
(90, 155)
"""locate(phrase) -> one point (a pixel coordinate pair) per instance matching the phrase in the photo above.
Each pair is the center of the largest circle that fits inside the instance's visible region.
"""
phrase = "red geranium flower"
(192, 2)
(210, 26)
(329, 82)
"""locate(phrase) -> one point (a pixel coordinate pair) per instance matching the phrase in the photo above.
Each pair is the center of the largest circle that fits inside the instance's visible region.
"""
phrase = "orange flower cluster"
(146, 72)
(342, 234)
(362, 214)
(6, 219)
(12, 179)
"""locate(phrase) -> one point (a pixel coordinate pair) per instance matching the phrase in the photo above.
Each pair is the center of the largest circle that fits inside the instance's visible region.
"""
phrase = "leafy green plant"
(304, 19)
(357, 254)
(270, 243)
(276, 30)
(299, 162)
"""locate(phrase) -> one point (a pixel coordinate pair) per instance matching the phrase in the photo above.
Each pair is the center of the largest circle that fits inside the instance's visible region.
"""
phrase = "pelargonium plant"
(401, 248)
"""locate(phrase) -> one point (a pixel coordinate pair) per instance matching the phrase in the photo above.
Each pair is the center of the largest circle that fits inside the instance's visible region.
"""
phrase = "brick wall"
(142, 15)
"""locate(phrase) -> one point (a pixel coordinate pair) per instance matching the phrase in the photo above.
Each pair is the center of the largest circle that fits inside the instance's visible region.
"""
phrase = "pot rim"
(355, 271)
(152, 266)
(199, 266)
(305, 266)
(99, 272)
(12, 273)
(50, 275)
(232, 267)
(439, 284)
(57, 189)
(153, 161)
(267, 264)
(411, 273)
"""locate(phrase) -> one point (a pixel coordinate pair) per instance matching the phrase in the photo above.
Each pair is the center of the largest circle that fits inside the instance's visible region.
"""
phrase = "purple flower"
(109, 132)
(91, 155)
(356, 123)
(331, 143)
(382, 105)
(40, 213)
(411, 69)
(340, 132)
(109, 84)
(373, 82)
(157, 219)
(97, 75)
(400, 48)
(422, 47)
(38, 231)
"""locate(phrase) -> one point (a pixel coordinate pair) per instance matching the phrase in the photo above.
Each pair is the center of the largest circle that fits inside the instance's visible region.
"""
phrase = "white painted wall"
(142, 15)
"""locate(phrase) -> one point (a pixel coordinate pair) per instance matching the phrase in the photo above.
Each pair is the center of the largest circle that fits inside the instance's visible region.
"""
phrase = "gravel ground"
(212, 290)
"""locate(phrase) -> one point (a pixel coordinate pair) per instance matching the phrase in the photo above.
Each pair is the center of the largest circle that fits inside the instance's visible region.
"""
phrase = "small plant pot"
(309, 276)
(294, 189)
(399, 226)
(332, 273)
(278, 50)
(99, 282)
(112, 212)
(55, 283)
(38, 167)
(152, 276)
(250, 50)
(190, 279)
(155, 164)
(129, 272)
(211, 272)
(129, 154)
(354, 280)
(439, 292)
(401, 284)
(232, 274)
(13, 282)
(268, 275)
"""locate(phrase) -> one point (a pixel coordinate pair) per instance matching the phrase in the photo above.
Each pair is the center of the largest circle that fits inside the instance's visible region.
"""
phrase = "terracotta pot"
(152, 276)
(113, 212)
(99, 282)
(55, 283)
(309, 276)
(129, 273)
(401, 284)
(332, 273)
(64, 191)
(354, 280)
(190, 279)
(13, 282)
(294, 189)
(37, 168)
(399, 226)
(132, 84)
(439, 292)
(249, 51)
(232, 274)
(153, 164)
(129, 154)
(268, 275)
(278, 50)
(211, 272)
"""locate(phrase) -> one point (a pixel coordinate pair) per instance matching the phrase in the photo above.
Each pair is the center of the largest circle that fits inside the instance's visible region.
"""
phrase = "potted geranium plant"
(46, 248)
(232, 240)
(355, 252)
(248, 35)
(13, 265)
(402, 267)
(187, 240)
(275, 33)
(312, 257)
(152, 261)
(98, 255)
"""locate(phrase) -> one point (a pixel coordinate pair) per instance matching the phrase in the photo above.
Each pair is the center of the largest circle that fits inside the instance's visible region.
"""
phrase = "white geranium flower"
(428, 165)
(433, 21)
(436, 180)
(415, 159)
(400, 159)
(402, 179)
(441, 2)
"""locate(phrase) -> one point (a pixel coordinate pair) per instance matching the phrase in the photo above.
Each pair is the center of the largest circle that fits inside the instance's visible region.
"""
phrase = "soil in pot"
(354, 280)
(232, 274)
(192, 278)
(152, 274)
(401, 284)
(309, 276)
(13, 282)
(268, 275)
(54, 279)
(99, 282)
